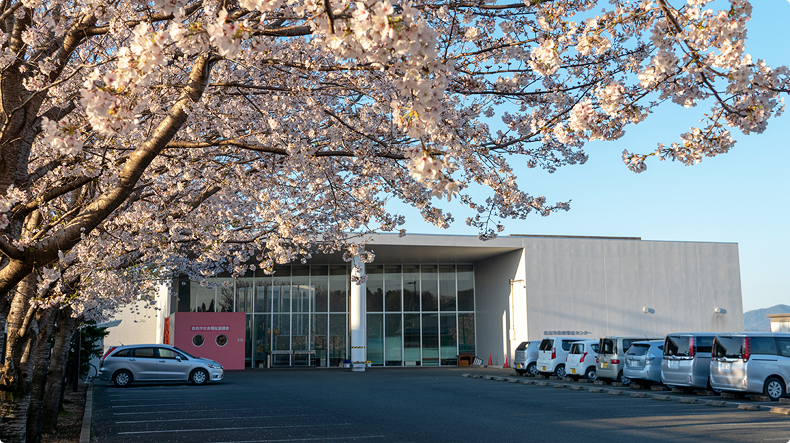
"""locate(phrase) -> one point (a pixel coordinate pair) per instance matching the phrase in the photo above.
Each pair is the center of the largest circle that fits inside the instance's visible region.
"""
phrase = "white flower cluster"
(428, 170)
(63, 138)
(545, 59)
(11, 198)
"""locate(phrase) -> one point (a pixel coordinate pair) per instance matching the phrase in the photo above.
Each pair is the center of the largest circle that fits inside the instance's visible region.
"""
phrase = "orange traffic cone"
(506, 366)
(490, 363)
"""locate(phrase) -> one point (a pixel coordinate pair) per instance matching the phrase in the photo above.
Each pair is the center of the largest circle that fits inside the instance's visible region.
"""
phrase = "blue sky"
(739, 197)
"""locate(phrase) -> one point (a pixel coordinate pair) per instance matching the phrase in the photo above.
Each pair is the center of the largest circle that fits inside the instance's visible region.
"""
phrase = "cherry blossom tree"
(145, 139)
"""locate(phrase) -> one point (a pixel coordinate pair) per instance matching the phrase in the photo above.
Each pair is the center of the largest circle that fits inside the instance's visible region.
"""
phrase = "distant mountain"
(756, 320)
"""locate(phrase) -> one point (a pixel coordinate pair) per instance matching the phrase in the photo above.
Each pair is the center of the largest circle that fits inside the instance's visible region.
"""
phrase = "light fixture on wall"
(646, 310)
(718, 310)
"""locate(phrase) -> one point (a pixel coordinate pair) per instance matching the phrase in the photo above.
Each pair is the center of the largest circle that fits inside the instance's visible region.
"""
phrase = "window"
(144, 353)
(577, 348)
(523, 346)
(546, 345)
(703, 344)
(123, 353)
(594, 347)
(566, 344)
(198, 340)
(784, 346)
(167, 353)
(762, 346)
(626, 344)
(730, 347)
(222, 340)
(606, 346)
(638, 349)
(677, 345)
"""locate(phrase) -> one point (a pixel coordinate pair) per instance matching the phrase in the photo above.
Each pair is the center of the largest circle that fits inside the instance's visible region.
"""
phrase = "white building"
(429, 298)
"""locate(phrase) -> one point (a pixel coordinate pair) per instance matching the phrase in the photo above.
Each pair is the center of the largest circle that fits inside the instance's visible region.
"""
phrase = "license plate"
(544, 369)
(633, 362)
(518, 365)
(573, 371)
(603, 365)
(725, 367)
(674, 364)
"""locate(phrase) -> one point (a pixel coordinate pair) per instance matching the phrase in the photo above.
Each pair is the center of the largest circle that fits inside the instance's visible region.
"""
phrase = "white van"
(551, 355)
(757, 362)
(580, 361)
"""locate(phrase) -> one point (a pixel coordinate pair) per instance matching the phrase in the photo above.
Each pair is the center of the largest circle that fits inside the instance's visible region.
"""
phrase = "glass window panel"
(281, 289)
(466, 332)
(392, 288)
(338, 279)
(301, 290)
(374, 288)
(262, 323)
(225, 294)
(281, 332)
(337, 339)
(411, 340)
(300, 330)
(249, 344)
(466, 288)
(244, 294)
(447, 293)
(430, 339)
(319, 280)
(201, 297)
(448, 339)
(318, 342)
(429, 288)
(375, 336)
(411, 288)
(263, 302)
(393, 339)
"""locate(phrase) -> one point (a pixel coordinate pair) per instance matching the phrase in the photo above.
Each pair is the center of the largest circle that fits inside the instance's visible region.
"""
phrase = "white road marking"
(236, 429)
(355, 437)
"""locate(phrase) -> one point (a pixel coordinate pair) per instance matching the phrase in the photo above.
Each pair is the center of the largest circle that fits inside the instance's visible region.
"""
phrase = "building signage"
(567, 332)
(211, 328)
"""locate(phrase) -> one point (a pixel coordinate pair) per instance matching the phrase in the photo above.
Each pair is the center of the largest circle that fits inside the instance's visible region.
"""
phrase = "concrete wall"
(139, 325)
(597, 287)
(493, 318)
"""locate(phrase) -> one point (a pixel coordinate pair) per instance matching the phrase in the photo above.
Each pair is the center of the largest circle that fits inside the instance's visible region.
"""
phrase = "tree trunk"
(57, 368)
(46, 325)
(15, 382)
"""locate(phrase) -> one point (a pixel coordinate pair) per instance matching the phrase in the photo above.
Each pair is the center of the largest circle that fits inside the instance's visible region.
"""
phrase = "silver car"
(125, 364)
(757, 362)
(611, 352)
(686, 361)
(643, 361)
(526, 358)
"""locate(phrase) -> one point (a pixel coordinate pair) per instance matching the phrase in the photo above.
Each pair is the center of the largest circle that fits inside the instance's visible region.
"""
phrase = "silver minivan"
(137, 363)
(686, 361)
(526, 358)
(757, 362)
(611, 355)
(643, 361)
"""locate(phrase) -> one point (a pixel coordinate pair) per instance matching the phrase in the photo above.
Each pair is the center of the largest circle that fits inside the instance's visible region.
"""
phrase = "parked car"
(526, 358)
(611, 352)
(643, 361)
(757, 362)
(686, 361)
(551, 355)
(144, 363)
(580, 361)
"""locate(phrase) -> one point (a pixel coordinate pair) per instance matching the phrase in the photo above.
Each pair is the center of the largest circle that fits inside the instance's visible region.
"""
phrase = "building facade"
(429, 298)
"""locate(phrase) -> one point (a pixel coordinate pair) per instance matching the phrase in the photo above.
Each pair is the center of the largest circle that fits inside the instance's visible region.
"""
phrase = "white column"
(357, 313)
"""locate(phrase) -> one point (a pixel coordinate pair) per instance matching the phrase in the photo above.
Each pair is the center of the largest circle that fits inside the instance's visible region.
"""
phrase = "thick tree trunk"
(46, 325)
(57, 368)
(15, 382)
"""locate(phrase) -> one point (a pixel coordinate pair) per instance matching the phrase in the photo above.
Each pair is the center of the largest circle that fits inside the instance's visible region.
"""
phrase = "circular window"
(197, 340)
(222, 340)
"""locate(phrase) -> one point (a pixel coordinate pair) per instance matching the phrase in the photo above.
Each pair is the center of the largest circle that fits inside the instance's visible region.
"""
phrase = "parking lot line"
(354, 437)
(235, 417)
(236, 429)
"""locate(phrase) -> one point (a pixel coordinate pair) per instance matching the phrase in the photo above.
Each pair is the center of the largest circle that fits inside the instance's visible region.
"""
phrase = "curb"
(716, 403)
(778, 410)
(749, 407)
(85, 433)
(662, 397)
(639, 394)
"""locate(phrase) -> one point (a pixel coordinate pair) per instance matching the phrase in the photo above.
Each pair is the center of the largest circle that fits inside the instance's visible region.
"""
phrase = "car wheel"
(560, 371)
(591, 374)
(199, 376)
(774, 388)
(532, 369)
(623, 379)
(122, 378)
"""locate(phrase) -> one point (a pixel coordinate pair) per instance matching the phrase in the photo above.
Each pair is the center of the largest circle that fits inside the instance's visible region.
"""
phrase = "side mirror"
(178, 357)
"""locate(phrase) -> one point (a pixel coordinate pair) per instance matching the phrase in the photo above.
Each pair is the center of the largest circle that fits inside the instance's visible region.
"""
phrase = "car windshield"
(730, 347)
(677, 345)
(546, 344)
(524, 345)
(577, 348)
(606, 346)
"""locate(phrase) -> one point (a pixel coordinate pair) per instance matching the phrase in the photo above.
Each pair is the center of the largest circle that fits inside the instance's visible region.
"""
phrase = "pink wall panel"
(186, 325)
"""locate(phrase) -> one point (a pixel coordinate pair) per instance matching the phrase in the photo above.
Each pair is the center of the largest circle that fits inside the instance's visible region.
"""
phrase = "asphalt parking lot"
(418, 405)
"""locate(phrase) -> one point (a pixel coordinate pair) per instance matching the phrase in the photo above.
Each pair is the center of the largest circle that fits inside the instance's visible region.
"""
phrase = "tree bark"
(46, 325)
(57, 368)
(16, 380)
